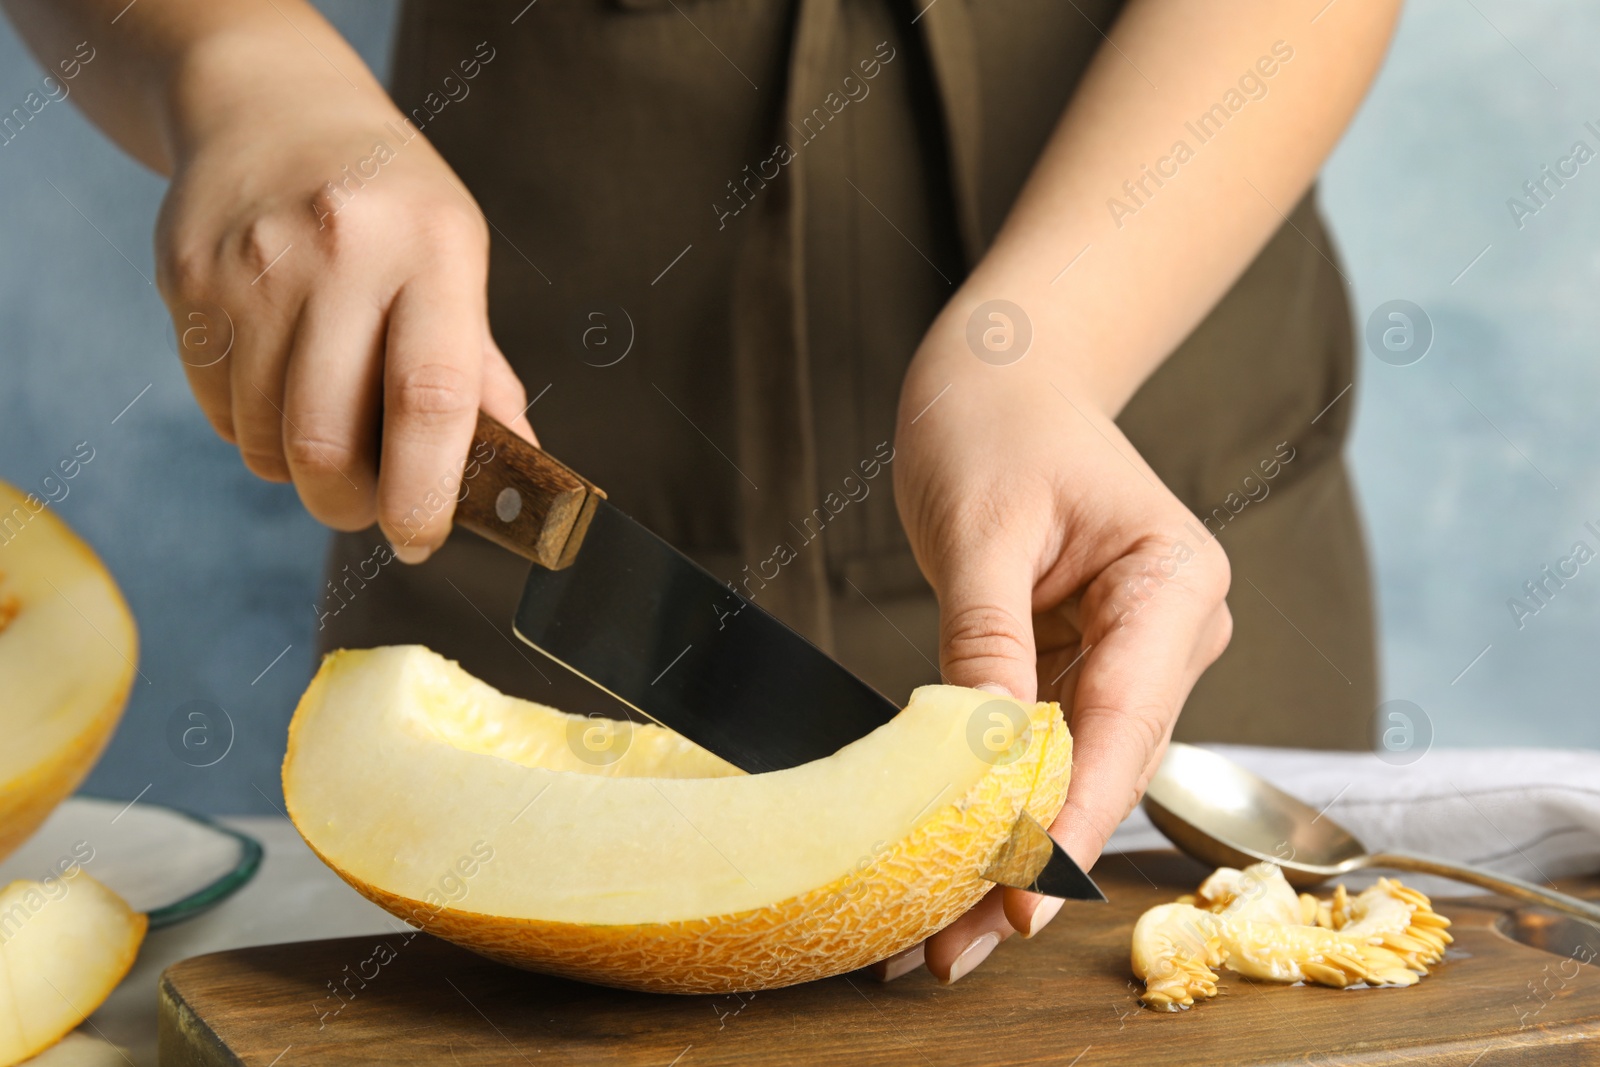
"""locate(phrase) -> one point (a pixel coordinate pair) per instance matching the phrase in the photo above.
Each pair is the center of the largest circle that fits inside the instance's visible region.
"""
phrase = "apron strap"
(777, 435)
(953, 58)
(772, 364)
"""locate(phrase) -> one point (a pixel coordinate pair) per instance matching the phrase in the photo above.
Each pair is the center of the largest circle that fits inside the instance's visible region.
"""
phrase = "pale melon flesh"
(488, 820)
(65, 943)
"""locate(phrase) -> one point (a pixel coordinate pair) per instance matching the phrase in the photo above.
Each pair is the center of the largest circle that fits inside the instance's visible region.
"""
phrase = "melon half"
(67, 652)
(491, 822)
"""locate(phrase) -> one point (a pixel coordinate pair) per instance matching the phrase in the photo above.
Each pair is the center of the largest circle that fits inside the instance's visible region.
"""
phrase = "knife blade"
(628, 613)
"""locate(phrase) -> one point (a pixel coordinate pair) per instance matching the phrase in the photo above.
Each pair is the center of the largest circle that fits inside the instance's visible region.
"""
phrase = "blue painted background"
(1476, 466)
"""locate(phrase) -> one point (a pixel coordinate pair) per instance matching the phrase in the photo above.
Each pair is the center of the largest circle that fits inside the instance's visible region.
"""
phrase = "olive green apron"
(720, 230)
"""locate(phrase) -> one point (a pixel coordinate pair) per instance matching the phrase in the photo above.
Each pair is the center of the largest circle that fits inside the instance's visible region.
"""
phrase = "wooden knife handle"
(523, 498)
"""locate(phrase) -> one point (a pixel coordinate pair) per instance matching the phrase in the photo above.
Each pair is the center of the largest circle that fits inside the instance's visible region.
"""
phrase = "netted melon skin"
(910, 890)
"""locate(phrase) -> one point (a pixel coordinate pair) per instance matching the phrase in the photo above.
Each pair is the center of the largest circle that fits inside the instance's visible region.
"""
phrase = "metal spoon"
(1222, 815)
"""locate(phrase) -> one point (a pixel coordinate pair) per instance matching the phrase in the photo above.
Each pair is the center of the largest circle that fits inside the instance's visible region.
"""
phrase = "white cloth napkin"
(1528, 812)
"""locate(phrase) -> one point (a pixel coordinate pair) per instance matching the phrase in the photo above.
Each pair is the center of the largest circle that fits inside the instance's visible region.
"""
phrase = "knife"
(628, 613)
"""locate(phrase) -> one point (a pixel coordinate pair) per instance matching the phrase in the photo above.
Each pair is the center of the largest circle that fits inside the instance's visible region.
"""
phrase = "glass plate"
(170, 864)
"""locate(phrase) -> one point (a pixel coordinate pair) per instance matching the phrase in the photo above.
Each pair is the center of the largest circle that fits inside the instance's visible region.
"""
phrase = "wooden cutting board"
(1066, 998)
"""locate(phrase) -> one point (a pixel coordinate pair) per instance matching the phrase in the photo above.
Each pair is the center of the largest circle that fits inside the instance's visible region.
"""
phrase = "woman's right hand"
(326, 273)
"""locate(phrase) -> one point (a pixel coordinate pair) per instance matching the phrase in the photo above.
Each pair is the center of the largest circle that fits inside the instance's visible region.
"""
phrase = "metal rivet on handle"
(508, 505)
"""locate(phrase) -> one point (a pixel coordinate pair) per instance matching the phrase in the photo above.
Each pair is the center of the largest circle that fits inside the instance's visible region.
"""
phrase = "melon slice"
(65, 943)
(488, 821)
(67, 650)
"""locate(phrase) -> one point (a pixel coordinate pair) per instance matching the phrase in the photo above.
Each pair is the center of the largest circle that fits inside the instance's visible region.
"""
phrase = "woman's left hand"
(1065, 571)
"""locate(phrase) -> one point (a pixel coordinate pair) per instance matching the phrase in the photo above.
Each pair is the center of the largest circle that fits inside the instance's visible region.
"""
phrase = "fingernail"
(1043, 914)
(996, 688)
(900, 965)
(971, 956)
(409, 553)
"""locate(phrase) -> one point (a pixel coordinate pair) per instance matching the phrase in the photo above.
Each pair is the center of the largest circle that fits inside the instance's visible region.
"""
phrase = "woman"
(1055, 269)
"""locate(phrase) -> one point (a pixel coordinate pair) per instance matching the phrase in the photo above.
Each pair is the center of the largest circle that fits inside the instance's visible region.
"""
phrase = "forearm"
(167, 73)
(1170, 209)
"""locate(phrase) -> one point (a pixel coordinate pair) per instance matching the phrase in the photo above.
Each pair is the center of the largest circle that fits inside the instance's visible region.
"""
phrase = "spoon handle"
(1499, 883)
